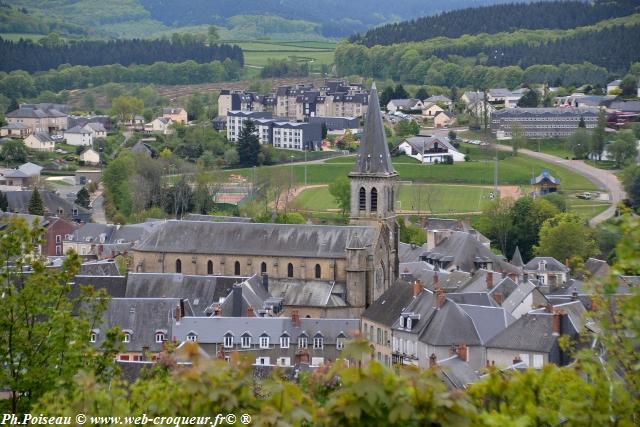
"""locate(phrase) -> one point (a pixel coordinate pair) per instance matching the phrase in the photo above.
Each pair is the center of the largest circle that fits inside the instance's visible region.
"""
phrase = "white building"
(160, 125)
(404, 104)
(90, 157)
(78, 136)
(235, 121)
(430, 150)
(40, 141)
(96, 130)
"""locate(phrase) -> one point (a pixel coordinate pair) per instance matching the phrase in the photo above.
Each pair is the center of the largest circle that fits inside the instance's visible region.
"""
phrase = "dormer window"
(192, 337)
(245, 340)
(264, 341)
(409, 322)
(160, 337)
(228, 340)
(127, 337)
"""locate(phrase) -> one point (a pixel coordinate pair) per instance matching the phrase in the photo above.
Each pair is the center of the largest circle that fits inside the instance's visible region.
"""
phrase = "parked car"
(585, 196)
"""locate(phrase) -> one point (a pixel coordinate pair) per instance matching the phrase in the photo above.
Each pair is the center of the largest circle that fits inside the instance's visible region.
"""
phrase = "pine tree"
(82, 198)
(248, 146)
(36, 205)
(13, 105)
(4, 202)
(581, 123)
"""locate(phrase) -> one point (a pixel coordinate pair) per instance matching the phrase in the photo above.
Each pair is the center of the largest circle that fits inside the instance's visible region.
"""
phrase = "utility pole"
(495, 174)
(305, 167)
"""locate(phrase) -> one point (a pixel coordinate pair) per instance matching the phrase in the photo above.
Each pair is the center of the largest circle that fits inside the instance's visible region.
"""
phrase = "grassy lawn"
(553, 146)
(257, 53)
(17, 36)
(444, 199)
(603, 164)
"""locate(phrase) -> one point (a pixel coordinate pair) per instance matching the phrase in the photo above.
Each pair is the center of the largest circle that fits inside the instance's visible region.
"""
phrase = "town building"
(429, 149)
(613, 87)
(48, 118)
(177, 115)
(160, 125)
(541, 122)
(15, 130)
(236, 119)
(337, 123)
(404, 105)
(96, 129)
(40, 141)
(90, 157)
(78, 136)
(297, 136)
(26, 175)
(54, 205)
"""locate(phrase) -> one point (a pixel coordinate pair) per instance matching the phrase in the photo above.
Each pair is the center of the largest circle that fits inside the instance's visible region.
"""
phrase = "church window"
(263, 268)
(318, 271)
(209, 267)
(178, 266)
(374, 200)
(363, 199)
(236, 268)
(290, 270)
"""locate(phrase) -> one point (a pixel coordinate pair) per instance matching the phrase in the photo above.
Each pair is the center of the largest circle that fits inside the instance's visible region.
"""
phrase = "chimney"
(177, 314)
(556, 323)
(498, 297)
(513, 276)
(489, 280)
(436, 280)
(237, 300)
(548, 308)
(265, 281)
(295, 318)
(440, 297)
(517, 360)
(417, 288)
(250, 312)
(433, 361)
(217, 310)
(463, 352)
(594, 303)
(542, 265)
(574, 295)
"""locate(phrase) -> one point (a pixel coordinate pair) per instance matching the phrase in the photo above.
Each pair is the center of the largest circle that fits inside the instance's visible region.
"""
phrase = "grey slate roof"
(30, 169)
(373, 153)
(254, 295)
(531, 332)
(518, 296)
(473, 298)
(574, 309)
(96, 126)
(201, 291)
(437, 98)
(488, 321)
(100, 268)
(387, 308)
(456, 373)
(312, 293)
(427, 143)
(405, 103)
(552, 264)
(19, 202)
(115, 286)
(42, 137)
(446, 224)
(216, 218)
(77, 130)
(253, 239)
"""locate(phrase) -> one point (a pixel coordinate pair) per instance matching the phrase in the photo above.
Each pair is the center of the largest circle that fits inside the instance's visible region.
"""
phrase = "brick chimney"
(177, 314)
(433, 360)
(513, 276)
(217, 310)
(548, 308)
(498, 297)
(250, 312)
(440, 298)
(463, 352)
(489, 280)
(295, 318)
(556, 323)
(417, 288)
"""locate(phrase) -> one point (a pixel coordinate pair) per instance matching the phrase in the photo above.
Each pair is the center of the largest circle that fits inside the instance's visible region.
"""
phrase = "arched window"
(318, 271)
(290, 270)
(374, 200)
(236, 268)
(209, 267)
(178, 266)
(263, 268)
(363, 199)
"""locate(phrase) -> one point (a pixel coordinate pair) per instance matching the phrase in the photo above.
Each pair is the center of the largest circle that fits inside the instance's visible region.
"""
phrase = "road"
(97, 212)
(604, 179)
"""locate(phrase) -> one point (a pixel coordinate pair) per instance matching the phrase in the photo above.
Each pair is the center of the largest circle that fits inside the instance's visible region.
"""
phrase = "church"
(318, 270)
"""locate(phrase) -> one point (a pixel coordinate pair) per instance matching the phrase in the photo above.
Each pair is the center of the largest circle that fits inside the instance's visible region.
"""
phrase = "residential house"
(78, 136)
(541, 122)
(15, 130)
(430, 109)
(270, 341)
(439, 99)
(504, 97)
(40, 141)
(613, 87)
(54, 205)
(26, 175)
(106, 241)
(439, 228)
(444, 119)
(429, 149)
(44, 117)
(161, 125)
(380, 316)
(549, 272)
(92, 119)
(96, 129)
(177, 115)
(90, 157)
(404, 105)
(142, 147)
(54, 230)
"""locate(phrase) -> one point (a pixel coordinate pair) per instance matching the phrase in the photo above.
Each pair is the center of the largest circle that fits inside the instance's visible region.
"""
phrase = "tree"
(496, 222)
(530, 99)
(631, 181)
(565, 236)
(581, 123)
(36, 205)
(324, 130)
(212, 34)
(340, 189)
(13, 105)
(83, 198)
(629, 85)
(422, 94)
(44, 332)
(528, 215)
(4, 203)
(14, 151)
(578, 143)
(407, 127)
(623, 148)
(126, 107)
(598, 136)
(248, 145)
(400, 93)
(559, 201)
(385, 96)
(453, 135)
(517, 138)
(410, 233)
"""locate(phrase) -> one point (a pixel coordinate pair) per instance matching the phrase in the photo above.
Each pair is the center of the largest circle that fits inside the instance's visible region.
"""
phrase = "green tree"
(290, 218)
(88, 101)
(248, 145)
(631, 181)
(598, 136)
(496, 222)
(531, 99)
(340, 189)
(14, 151)
(4, 203)
(407, 127)
(83, 198)
(528, 215)
(399, 92)
(385, 96)
(517, 138)
(116, 179)
(623, 148)
(565, 236)
(578, 143)
(410, 233)
(212, 34)
(629, 85)
(36, 205)
(126, 107)
(558, 200)
(422, 93)
(44, 332)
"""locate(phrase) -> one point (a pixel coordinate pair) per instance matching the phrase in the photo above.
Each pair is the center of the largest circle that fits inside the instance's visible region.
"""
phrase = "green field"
(257, 53)
(17, 36)
(511, 171)
(433, 198)
(553, 146)
(587, 208)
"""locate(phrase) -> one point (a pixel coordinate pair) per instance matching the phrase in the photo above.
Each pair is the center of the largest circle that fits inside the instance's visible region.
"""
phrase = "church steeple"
(373, 178)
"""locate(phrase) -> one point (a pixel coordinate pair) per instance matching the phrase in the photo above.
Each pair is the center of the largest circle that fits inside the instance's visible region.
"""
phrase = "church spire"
(373, 154)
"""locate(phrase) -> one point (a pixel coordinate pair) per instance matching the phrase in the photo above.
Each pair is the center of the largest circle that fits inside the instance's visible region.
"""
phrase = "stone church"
(320, 270)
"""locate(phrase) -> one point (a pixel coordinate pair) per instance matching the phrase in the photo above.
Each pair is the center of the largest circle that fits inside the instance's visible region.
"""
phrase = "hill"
(499, 18)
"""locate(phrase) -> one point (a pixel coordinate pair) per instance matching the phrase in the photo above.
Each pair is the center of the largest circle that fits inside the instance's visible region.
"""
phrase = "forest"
(496, 19)
(14, 20)
(31, 57)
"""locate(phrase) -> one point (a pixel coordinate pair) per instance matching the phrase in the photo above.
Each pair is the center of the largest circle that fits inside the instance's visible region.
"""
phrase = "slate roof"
(96, 126)
(545, 176)
(545, 112)
(5, 217)
(27, 113)
(511, 302)
(31, 169)
(446, 224)
(253, 239)
(202, 292)
(43, 137)
(456, 373)
(451, 325)
(141, 147)
(99, 268)
(626, 106)
(172, 110)
(454, 280)
(388, 307)
(516, 259)
(115, 286)
(597, 267)
(405, 103)
(77, 130)
(531, 332)
(574, 309)
(19, 202)
(215, 218)
(253, 294)
(422, 271)
(312, 293)
(437, 98)
(552, 264)
(488, 321)
(14, 126)
(426, 143)
(474, 298)
(373, 154)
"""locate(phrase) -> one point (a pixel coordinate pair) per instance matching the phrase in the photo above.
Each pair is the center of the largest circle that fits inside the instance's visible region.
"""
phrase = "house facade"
(177, 115)
(78, 136)
(40, 141)
(90, 157)
(429, 150)
(40, 117)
